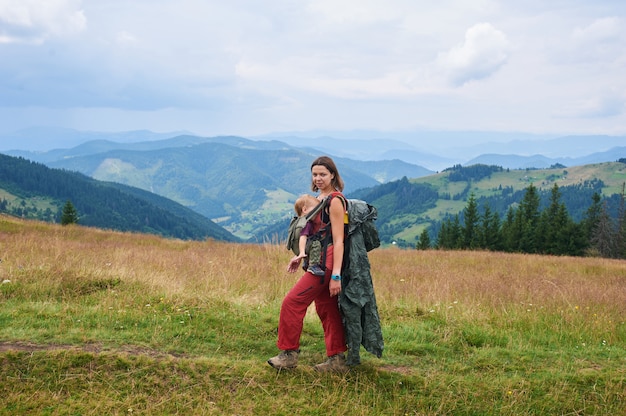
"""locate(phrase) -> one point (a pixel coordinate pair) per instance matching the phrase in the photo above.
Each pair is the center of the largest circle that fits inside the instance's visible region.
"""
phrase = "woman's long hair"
(329, 164)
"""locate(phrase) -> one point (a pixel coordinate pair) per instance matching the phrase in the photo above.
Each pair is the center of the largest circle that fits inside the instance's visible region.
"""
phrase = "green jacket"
(358, 301)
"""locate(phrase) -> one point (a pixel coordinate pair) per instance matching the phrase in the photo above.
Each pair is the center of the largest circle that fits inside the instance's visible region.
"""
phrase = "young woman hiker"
(310, 288)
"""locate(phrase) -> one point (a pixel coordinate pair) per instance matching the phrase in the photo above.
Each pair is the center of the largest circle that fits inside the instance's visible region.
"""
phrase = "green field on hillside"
(97, 322)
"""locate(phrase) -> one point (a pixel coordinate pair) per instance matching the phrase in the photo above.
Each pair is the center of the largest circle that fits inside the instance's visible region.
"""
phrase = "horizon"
(46, 138)
(435, 150)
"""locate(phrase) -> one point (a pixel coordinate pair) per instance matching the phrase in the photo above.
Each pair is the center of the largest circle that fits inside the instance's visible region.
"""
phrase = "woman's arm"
(336, 212)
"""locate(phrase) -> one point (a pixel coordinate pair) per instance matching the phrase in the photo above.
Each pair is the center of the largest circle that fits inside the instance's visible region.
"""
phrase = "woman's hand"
(335, 287)
(294, 263)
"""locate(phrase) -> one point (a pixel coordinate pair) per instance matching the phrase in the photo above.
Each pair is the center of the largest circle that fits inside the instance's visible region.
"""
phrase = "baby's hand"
(294, 263)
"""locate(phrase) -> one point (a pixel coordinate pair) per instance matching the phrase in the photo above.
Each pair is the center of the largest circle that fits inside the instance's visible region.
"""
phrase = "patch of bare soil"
(7, 346)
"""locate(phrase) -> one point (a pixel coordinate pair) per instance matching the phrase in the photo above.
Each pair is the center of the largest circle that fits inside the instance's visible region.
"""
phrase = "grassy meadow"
(96, 322)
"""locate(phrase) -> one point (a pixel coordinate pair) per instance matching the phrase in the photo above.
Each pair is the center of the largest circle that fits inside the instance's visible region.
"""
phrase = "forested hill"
(32, 190)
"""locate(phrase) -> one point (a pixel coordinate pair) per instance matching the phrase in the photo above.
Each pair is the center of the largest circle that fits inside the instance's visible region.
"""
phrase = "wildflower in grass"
(5, 281)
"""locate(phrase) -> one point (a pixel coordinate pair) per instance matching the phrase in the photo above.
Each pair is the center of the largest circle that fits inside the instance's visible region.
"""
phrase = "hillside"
(408, 206)
(248, 187)
(32, 190)
(505, 187)
(97, 322)
(241, 184)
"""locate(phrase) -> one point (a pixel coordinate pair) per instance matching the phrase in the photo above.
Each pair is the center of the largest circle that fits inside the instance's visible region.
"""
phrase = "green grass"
(138, 352)
(612, 174)
(95, 323)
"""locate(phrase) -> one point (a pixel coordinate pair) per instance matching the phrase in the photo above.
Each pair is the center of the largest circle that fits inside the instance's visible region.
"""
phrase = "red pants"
(310, 289)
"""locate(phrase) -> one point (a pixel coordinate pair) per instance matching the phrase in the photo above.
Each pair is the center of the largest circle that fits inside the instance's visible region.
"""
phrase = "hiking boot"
(335, 364)
(286, 359)
(316, 270)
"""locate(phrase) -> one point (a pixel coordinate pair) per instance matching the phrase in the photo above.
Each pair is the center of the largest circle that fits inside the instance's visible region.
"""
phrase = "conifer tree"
(490, 235)
(442, 235)
(470, 231)
(424, 240)
(449, 235)
(592, 216)
(620, 232)
(508, 231)
(554, 226)
(603, 239)
(527, 219)
(444, 238)
(456, 236)
(69, 214)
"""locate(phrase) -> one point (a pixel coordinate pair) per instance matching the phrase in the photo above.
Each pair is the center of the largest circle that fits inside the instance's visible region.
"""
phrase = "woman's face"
(322, 178)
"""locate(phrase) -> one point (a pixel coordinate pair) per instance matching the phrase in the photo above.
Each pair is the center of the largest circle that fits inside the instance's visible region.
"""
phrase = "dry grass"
(487, 280)
(471, 283)
(466, 332)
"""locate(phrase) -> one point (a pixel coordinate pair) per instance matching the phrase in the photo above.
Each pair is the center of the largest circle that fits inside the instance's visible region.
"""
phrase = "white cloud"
(32, 21)
(267, 65)
(484, 50)
(606, 29)
(603, 39)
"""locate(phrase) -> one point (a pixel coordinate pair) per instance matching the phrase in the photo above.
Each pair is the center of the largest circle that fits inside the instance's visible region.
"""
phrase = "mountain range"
(248, 186)
(439, 150)
(34, 191)
(432, 150)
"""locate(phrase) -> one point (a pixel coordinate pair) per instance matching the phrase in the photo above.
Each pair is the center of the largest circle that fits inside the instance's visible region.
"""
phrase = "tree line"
(527, 228)
(97, 204)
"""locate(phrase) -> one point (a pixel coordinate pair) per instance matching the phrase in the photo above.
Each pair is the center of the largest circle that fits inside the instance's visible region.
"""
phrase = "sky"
(249, 67)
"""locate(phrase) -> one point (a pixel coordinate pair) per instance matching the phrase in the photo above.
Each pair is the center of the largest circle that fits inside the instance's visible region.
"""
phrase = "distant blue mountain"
(43, 139)
(543, 162)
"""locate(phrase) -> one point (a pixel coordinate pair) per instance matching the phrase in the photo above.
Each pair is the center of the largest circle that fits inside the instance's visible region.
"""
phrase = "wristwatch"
(336, 277)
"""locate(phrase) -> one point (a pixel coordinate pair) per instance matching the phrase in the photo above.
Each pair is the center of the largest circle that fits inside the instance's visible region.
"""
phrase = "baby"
(313, 253)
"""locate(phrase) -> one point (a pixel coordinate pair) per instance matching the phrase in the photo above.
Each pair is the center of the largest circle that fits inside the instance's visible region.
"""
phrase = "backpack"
(360, 217)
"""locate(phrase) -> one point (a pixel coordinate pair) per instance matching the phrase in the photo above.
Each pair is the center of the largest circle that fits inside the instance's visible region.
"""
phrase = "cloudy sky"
(249, 67)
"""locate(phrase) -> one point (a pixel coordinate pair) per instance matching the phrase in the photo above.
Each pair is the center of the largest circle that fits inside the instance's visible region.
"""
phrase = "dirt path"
(7, 346)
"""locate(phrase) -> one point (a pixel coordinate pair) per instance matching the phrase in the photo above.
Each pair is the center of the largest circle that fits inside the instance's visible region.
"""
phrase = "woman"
(309, 288)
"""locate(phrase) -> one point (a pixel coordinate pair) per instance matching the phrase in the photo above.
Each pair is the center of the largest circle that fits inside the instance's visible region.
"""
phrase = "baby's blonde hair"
(305, 200)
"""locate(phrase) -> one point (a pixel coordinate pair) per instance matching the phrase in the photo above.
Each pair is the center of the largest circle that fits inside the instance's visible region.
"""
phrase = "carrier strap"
(325, 233)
